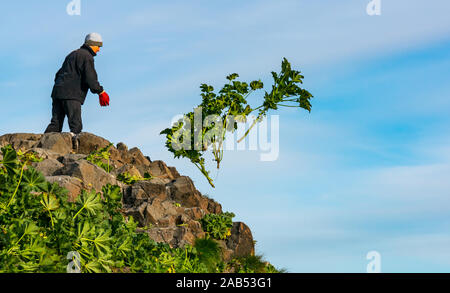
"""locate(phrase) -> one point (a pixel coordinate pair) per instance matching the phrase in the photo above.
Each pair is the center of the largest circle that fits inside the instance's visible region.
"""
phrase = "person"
(76, 76)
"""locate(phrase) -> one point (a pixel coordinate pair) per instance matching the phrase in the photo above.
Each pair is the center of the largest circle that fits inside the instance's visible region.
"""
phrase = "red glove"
(103, 99)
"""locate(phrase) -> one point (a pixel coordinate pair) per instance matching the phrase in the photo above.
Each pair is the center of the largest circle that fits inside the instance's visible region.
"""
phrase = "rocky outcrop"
(241, 240)
(168, 207)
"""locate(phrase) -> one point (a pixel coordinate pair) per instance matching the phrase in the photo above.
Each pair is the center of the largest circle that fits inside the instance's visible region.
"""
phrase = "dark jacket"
(76, 76)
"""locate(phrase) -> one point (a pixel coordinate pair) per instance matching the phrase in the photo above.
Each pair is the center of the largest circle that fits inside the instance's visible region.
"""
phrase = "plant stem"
(246, 133)
(17, 187)
(205, 173)
(51, 218)
(16, 243)
(287, 106)
(78, 212)
(248, 94)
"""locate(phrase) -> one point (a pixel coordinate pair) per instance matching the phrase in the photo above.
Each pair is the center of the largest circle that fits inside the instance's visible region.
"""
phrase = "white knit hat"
(94, 39)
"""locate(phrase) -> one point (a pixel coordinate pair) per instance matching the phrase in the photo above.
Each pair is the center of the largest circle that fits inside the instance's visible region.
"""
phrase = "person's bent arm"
(91, 79)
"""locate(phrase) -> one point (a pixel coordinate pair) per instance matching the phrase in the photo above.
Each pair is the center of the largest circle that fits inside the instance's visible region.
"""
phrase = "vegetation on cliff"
(42, 231)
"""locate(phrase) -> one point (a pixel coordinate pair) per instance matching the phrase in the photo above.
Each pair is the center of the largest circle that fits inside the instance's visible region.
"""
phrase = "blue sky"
(366, 170)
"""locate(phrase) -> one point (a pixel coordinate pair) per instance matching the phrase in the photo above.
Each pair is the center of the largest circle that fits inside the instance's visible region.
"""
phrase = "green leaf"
(9, 160)
(84, 229)
(256, 84)
(93, 267)
(232, 76)
(33, 179)
(101, 242)
(31, 229)
(50, 202)
(90, 201)
(125, 246)
(112, 192)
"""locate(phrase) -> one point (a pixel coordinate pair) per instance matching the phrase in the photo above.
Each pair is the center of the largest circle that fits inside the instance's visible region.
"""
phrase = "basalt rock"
(168, 207)
(73, 185)
(241, 240)
(20, 141)
(48, 167)
(60, 143)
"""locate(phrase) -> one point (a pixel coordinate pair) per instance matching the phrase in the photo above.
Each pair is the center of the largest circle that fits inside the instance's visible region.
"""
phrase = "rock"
(155, 212)
(137, 158)
(171, 208)
(122, 148)
(241, 240)
(70, 158)
(161, 213)
(196, 228)
(194, 213)
(188, 234)
(48, 166)
(123, 152)
(159, 169)
(166, 221)
(182, 190)
(166, 235)
(227, 254)
(174, 172)
(60, 143)
(143, 169)
(20, 141)
(25, 145)
(72, 184)
(138, 213)
(214, 207)
(170, 223)
(127, 168)
(91, 175)
(45, 154)
(146, 190)
(175, 236)
(89, 143)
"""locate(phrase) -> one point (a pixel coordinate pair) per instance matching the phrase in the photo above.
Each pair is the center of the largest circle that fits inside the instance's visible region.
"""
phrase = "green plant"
(253, 264)
(218, 226)
(14, 166)
(190, 139)
(127, 178)
(209, 253)
(101, 158)
(39, 228)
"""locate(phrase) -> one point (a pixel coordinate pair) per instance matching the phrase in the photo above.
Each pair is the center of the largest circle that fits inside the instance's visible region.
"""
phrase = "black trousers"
(62, 108)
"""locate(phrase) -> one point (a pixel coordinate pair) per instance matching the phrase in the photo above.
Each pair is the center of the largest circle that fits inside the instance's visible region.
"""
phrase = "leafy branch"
(190, 137)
